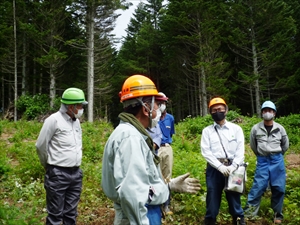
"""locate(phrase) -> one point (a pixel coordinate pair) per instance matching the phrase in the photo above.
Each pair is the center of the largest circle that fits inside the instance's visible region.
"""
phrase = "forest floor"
(104, 215)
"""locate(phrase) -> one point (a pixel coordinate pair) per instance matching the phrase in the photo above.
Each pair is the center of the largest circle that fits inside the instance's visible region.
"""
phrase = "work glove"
(231, 169)
(185, 184)
(224, 170)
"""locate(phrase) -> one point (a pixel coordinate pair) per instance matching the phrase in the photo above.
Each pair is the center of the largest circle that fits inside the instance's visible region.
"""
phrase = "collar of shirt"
(66, 116)
(220, 127)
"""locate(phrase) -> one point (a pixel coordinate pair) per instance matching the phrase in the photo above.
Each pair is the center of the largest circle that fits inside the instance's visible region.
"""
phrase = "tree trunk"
(203, 91)
(40, 81)
(188, 96)
(90, 59)
(251, 100)
(256, 84)
(195, 99)
(200, 71)
(24, 65)
(3, 99)
(52, 87)
(15, 63)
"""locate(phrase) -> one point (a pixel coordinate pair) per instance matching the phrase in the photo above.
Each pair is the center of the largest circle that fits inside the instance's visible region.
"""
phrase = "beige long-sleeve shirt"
(60, 141)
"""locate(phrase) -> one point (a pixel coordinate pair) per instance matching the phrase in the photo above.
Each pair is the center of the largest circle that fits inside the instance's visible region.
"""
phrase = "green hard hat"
(73, 96)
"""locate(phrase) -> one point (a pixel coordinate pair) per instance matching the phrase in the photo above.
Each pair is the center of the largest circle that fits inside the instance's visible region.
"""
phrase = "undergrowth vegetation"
(22, 194)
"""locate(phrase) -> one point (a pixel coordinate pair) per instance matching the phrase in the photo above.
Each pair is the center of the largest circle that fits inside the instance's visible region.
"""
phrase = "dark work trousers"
(63, 188)
(215, 182)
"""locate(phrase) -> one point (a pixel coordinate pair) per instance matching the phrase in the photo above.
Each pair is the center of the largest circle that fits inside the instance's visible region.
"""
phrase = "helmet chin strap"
(73, 118)
(150, 113)
(150, 110)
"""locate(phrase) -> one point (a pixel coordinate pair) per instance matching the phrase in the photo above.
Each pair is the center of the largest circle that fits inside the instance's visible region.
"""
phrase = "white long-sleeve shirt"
(60, 141)
(233, 141)
(128, 171)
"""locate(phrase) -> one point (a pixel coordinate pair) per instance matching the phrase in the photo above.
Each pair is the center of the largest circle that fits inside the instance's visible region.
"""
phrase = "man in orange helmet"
(130, 174)
(222, 145)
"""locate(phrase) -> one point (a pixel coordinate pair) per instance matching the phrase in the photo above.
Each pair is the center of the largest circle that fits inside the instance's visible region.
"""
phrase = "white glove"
(185, 184)
(224, 170)
(231, 168)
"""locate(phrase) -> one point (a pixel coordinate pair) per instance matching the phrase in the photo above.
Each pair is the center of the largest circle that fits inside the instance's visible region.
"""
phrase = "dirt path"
(292, 161)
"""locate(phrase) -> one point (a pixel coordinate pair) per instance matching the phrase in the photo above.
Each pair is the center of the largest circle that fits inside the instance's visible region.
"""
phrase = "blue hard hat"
(268, 104)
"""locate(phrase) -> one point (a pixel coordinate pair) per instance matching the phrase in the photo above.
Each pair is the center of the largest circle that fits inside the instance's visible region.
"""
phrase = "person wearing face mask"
(59, 147)
(165, 152)
(222, 146)
(269, 141)
(155, 132)
(130, 174)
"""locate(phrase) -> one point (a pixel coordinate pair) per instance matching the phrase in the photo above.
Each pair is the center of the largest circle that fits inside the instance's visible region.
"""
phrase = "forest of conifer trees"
(245, 51)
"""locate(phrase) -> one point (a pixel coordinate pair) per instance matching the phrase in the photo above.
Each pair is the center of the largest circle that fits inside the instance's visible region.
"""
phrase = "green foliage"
(33, 106)
(4, 166)
(10, 216)
(94, 140)
(292, 125)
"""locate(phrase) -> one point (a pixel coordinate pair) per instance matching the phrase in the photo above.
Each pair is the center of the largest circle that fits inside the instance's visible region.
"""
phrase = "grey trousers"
(63, 188)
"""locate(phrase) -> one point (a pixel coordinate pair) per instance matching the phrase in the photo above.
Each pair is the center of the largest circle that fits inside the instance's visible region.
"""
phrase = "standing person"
(269, 142)
(155, 133)
(59, 147)
(165, 151)
(222, 145)
(130, 176)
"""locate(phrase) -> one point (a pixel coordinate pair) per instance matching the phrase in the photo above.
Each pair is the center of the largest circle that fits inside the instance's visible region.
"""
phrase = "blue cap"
(268, 104)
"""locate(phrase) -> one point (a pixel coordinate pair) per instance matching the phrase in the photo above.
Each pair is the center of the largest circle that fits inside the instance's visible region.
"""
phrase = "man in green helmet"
(59, 147)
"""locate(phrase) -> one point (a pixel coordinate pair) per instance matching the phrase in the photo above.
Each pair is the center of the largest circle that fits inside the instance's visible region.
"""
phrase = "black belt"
(74, 168)
(271, 153)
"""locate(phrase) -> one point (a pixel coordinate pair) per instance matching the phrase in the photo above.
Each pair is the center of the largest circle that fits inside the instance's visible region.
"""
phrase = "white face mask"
(79, 113)
(268, 116)
(156, 119)
(162, 107)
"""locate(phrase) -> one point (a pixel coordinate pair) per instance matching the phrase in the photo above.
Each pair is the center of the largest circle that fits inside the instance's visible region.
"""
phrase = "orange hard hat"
(137, 86)
(216, 101)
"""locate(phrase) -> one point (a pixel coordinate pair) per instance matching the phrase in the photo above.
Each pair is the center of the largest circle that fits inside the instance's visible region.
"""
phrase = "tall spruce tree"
(260, 35)
(141, 50)
(98, 17)
(194, 30)
(50, 23)
(289, 75)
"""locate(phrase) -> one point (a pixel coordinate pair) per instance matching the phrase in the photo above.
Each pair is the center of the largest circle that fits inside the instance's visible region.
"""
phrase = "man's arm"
(240, 148)
(44, 138)
(284, 141)
(253, 141)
